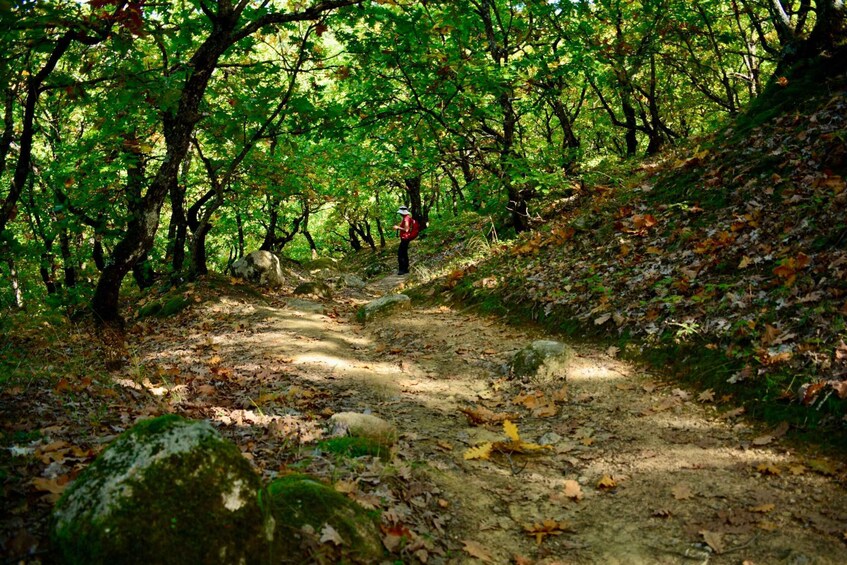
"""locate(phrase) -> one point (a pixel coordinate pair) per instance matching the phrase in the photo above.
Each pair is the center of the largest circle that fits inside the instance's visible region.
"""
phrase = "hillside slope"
(726, 262)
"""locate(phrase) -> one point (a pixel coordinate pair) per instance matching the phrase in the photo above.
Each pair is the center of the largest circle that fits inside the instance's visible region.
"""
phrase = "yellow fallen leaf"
(548, 527)
(763, 508)
(606, 483)
(511, 430)
(768, 469)
(482, 451)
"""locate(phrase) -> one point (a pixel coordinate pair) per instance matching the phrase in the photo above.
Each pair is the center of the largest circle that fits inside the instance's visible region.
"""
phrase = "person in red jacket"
(405, 229)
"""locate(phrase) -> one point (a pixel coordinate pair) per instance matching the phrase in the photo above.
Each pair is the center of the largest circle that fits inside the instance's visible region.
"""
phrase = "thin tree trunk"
(16, 287)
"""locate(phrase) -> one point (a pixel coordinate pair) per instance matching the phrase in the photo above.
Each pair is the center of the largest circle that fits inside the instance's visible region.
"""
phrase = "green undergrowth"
(351, 446)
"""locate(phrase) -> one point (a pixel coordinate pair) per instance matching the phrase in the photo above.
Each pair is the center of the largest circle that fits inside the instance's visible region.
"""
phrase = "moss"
(350, 446)
(302, 506)
(174, 305)
(167, 491)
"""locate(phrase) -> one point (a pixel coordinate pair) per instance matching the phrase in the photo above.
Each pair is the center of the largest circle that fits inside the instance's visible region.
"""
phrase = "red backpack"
(415, 229)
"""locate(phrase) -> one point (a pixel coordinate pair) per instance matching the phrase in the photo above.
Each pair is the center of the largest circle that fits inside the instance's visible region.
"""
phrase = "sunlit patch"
(593, 373)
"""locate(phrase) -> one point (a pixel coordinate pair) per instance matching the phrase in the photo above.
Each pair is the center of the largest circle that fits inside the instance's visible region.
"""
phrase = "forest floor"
(638, 470)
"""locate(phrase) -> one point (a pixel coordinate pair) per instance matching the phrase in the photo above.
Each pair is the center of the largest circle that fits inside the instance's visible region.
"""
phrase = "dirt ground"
(634, 470)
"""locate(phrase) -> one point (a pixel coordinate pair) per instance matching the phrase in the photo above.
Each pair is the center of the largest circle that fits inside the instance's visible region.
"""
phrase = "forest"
(623, 338)
(165, 139)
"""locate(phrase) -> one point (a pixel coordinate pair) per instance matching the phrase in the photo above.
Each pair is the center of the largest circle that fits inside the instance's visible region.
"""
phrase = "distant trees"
(261, 124)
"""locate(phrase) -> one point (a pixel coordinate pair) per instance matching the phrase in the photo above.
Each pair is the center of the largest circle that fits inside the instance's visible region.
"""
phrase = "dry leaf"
(606, 483)
(482, 415)
(479, 452)
(548, 527)
(797, 469)
(561, 395)
(768, 469)
(573, 490)
(763, 508)
(546, 411)
(661, 513)
(55, 486)
(328, 534)
(707, 396)
(822, 466)
(511, 430)
(713, 539)
(476, 549)
(682, 492)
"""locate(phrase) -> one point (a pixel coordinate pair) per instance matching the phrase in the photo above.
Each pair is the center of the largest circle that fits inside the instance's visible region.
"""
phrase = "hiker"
(408, 228)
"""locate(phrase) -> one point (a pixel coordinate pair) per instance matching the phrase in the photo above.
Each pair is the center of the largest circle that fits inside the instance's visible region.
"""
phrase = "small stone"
(542, 361)
(550, 438)
(315, 288)
(367, 426)
(384, 307)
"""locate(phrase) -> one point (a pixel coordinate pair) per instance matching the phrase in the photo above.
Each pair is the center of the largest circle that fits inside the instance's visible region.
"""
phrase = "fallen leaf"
(822, 467)
(561, 395)
(768, 469)
(707, 396)
(682, 492)
(763, 508)
(540, 530)
(713, 539)
(476, 549)
(606, 483)
(547, 411)
(511, 430)
(482, 415)
(55, 486)
(482, 451)
(661, 513)
(329, 534)
(797, 469)
(573, 490)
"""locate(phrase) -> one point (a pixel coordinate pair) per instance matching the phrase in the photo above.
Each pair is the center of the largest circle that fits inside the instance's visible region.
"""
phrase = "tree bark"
(178, 129)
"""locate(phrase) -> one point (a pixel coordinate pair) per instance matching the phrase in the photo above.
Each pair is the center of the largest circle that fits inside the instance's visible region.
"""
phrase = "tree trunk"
(67, 258)
(16, 287)
(144, 274)
(413, 191)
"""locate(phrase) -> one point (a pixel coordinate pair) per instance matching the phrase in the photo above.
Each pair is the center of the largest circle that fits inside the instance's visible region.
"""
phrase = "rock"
(367, 426)
(383, 307)
(542, 360)
(168, 490)
(375, 269)
(350, 281)
(304, 305)
(260, 267)
(311, 517)
(316, 288)
(322, 263)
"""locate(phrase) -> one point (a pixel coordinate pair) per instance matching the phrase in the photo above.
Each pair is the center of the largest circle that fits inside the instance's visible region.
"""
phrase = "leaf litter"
(538, 490)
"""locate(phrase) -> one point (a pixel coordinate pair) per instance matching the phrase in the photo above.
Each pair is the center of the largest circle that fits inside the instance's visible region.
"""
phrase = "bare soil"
(637, 470)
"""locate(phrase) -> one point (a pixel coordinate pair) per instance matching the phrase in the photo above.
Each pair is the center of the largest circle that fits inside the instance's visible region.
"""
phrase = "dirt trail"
(684, 483)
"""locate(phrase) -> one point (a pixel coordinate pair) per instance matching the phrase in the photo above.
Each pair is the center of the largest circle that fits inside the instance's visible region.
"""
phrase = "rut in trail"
(638, 471)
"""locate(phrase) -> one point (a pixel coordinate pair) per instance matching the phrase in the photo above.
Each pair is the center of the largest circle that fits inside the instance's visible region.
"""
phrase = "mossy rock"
(168, 490)
(164, 307)
(314, 288)
(383, 307)
(302, 508)
(351, 446)
(322, 263)
(542, 361)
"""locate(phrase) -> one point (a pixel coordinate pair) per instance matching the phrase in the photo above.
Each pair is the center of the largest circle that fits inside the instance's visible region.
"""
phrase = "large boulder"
(168, 490)
(366, 426)
(387, 305)
(542, 360)
(260, 267)
(316, 524)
